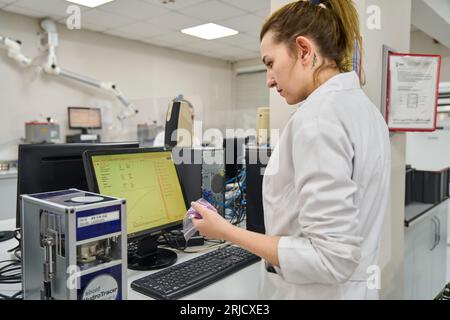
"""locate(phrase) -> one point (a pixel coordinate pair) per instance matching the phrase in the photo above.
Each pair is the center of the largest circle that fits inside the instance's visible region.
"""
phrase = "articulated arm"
(14, 48)
(108, 86)
(51, 66)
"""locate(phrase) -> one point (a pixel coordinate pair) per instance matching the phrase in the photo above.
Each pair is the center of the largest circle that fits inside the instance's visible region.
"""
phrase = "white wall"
(146, 73)
(424, 44)
(250, 92)
(395, 15)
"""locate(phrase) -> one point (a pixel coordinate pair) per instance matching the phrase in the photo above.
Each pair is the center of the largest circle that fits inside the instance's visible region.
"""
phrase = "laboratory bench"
(242, 285)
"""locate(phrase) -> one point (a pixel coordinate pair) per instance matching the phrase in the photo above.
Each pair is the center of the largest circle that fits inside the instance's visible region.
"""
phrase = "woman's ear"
(304, 49)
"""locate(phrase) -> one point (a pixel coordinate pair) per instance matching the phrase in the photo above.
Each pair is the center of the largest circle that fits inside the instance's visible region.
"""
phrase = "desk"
(242, 285)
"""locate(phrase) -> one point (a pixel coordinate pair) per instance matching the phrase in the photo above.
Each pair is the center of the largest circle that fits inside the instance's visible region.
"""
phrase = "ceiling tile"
(210, 45)
(155, 23)
(51, 8)
(134, 9)
(241, 40)
(179, 4)
(213, 10)
(249, 5)
(178, 38)
(190, 49)
(104, 19)
(233, 51)
(157, 42)
(175, 21)
(263, 13)
(140, 30)
(248, 22)
(122, 34)
(92, 26)
(5, 2)
(24, 11)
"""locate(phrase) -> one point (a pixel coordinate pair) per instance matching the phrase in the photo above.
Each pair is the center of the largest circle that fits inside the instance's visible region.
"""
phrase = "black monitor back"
(255, 159)
(51, 167)
(190, 173)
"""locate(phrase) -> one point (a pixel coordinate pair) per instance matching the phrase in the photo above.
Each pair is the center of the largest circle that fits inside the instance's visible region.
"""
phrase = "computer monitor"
(52, 167)
(84, 118)
(148, 180)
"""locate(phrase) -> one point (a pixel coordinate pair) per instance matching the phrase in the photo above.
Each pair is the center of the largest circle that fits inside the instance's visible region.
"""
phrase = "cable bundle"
(11, 270)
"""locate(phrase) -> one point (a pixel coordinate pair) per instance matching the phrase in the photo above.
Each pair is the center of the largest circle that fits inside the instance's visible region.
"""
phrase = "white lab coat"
(325, 192)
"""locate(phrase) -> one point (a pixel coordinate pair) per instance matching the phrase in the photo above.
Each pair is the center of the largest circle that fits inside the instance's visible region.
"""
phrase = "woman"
(324, 205)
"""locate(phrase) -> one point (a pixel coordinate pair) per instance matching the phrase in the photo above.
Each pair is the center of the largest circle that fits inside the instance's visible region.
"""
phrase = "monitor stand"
(6, 235)
(149, 257)
(84, 137)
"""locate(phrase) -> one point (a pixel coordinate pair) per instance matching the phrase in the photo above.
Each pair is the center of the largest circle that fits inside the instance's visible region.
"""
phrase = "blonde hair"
(332, 24)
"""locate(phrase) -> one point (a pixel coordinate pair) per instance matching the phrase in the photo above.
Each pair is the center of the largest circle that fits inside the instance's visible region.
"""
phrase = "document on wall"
(412, 92)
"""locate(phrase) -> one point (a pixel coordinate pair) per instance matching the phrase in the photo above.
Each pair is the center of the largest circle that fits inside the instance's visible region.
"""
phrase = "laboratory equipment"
(179, 123)
(74, 246)
(42, 132)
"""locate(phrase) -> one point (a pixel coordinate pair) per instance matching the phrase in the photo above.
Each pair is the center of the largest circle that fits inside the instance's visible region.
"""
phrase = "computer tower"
(202, 174)
(255, 164)
(234, 156)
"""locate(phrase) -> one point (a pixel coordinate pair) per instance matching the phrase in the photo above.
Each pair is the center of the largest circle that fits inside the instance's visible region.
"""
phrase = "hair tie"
(318, 3)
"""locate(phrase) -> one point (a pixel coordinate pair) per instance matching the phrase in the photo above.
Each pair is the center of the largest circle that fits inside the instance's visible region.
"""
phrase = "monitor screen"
(85, 118)
(52, 167)
(149, 182)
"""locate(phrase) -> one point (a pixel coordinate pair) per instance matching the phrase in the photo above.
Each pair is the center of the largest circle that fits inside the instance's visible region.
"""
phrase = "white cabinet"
(425, 250)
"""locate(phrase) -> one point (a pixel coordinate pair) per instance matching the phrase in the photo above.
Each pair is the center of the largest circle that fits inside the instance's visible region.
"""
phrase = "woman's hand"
(212, 225)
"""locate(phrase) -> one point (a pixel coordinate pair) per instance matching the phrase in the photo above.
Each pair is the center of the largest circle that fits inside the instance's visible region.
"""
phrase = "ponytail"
(348, 20)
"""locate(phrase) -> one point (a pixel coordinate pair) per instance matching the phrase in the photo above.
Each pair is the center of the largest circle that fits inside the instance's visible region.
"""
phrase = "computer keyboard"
(182, 279)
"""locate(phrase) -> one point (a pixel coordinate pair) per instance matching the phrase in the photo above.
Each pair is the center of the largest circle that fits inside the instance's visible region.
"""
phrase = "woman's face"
(286, 70)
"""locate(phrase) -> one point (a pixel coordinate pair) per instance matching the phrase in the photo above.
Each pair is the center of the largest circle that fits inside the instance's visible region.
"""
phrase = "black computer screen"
(52, 167)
